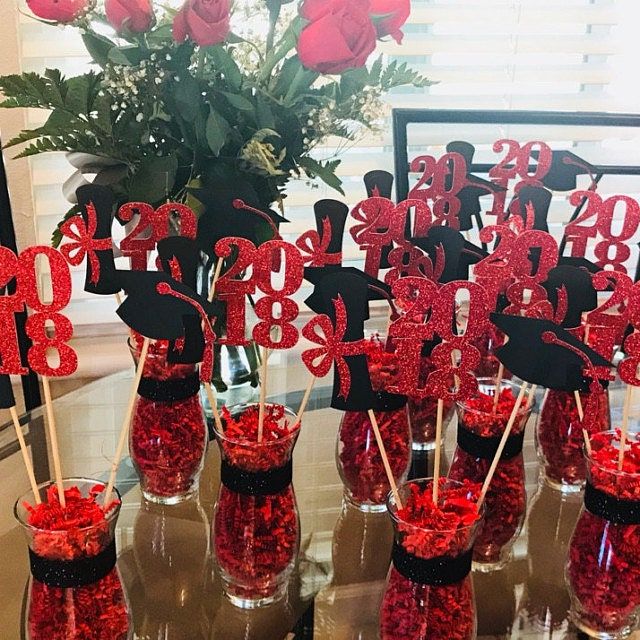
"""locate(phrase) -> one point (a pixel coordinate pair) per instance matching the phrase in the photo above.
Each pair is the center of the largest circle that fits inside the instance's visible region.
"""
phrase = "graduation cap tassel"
(503, 442)
(53, 438)
(436, 459)
(625, 424)
(124, 430)
(385, 459)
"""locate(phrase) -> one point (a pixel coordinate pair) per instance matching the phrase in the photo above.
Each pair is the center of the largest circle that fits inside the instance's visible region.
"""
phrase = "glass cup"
(603, 568)
(412, 609)
(168, 436)
(479, 434)
(559, 438)
(256, 528)
(358, 456)
(67, 612)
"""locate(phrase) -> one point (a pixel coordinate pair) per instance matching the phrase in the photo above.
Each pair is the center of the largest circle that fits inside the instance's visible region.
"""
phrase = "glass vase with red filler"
(429, 593)
(559, 438)
(168, 435)
(256, 527)
(75, 589)
(486, 344)
(481, 423)
(603, 569)
(358, 456)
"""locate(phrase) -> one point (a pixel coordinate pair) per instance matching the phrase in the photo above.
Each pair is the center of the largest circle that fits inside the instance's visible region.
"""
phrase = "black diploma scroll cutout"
(103, 202)
(7, 399)
(379, 184)
(615, 510)
(539, 198)
(262, 483)
(434, 572)
(336, 212)
(581, 294)
(73, 573)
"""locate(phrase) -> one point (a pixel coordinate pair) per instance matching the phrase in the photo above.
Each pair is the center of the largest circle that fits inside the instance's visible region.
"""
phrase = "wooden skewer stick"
(531, 395)
(118, 298)
(53, 437)
(625, 424)
(436, 458)
(211, 396)
(585, 435)
(304, 402)
(124, 430)
(503, 442)
(496, 397)
(216, 277)
(263, 391)
(25, 454)
(385, 459)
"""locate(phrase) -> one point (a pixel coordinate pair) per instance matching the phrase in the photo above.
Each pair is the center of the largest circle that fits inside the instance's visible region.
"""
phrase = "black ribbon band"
(615, 510)
(435, 572)
(172, 390)
(263, 483)
(73, 573)
(485, 448)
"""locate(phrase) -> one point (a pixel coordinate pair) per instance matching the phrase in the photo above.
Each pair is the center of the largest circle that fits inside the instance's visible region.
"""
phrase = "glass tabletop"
(170, 576)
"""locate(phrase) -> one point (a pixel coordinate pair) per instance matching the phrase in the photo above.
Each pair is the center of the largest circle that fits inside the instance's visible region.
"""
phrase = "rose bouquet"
(182, 101)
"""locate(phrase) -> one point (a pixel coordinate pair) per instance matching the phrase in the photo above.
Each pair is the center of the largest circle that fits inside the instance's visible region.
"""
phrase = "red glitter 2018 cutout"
(628, 368)
(23, 268)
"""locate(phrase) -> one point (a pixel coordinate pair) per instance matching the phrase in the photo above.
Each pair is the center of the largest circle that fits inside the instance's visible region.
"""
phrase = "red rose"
(133, 15)
(206, 22)
(341, 36)
(58, 10)
(394, 14)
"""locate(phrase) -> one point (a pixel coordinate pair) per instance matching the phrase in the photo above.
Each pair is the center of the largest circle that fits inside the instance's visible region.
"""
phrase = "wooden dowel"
(263, 392)
(211, 395)
(576, 395)
(304, 402)
(503, 442)
(437, 453)
(496, 397)
(53, 437)
(25, 454)
(124, 429)
(385, 459)
(118, 298)
(216, 277)
(625, 424)
(587, 442)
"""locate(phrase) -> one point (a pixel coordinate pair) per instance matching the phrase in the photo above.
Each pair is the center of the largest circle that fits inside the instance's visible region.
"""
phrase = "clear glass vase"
(559, 438)
(438, 607)
(479, 434)
(168, 435)
(358, 456)
(603, 569)
(75, 589)
(256, 528)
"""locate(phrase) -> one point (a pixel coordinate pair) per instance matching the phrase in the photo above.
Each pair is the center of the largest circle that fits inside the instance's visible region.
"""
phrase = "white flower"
(140, 117)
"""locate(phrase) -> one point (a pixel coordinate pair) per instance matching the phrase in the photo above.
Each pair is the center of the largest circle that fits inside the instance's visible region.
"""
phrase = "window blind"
(492, 54)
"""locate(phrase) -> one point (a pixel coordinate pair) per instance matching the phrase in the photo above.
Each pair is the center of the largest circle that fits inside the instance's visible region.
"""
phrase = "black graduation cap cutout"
(531, 356)
(91, 240)
(7, 399)
(353, 291)
(475, 188)
(565, 167)
(581, 295)
(179, 258)
(579, 262)
(153, 314)
(224, 217)
(539, 198)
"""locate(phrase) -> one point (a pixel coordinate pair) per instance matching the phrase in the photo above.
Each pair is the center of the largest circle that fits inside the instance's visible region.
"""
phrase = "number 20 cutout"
(23, 269)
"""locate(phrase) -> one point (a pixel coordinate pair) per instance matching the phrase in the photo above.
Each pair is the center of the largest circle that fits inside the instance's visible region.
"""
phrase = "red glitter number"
(232, 287)
(10, 304)
(408, 260)
(288, 308)
(416, 295)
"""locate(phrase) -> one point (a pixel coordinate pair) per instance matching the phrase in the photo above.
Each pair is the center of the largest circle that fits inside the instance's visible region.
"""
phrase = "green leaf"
(264, 115)
(224, 63)
(160, 34)
(98, 46)
(217, 130)
(153, 177)
(326, 172)
(187, 97)
(127, 56)
(56, 236)
(237, 101)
